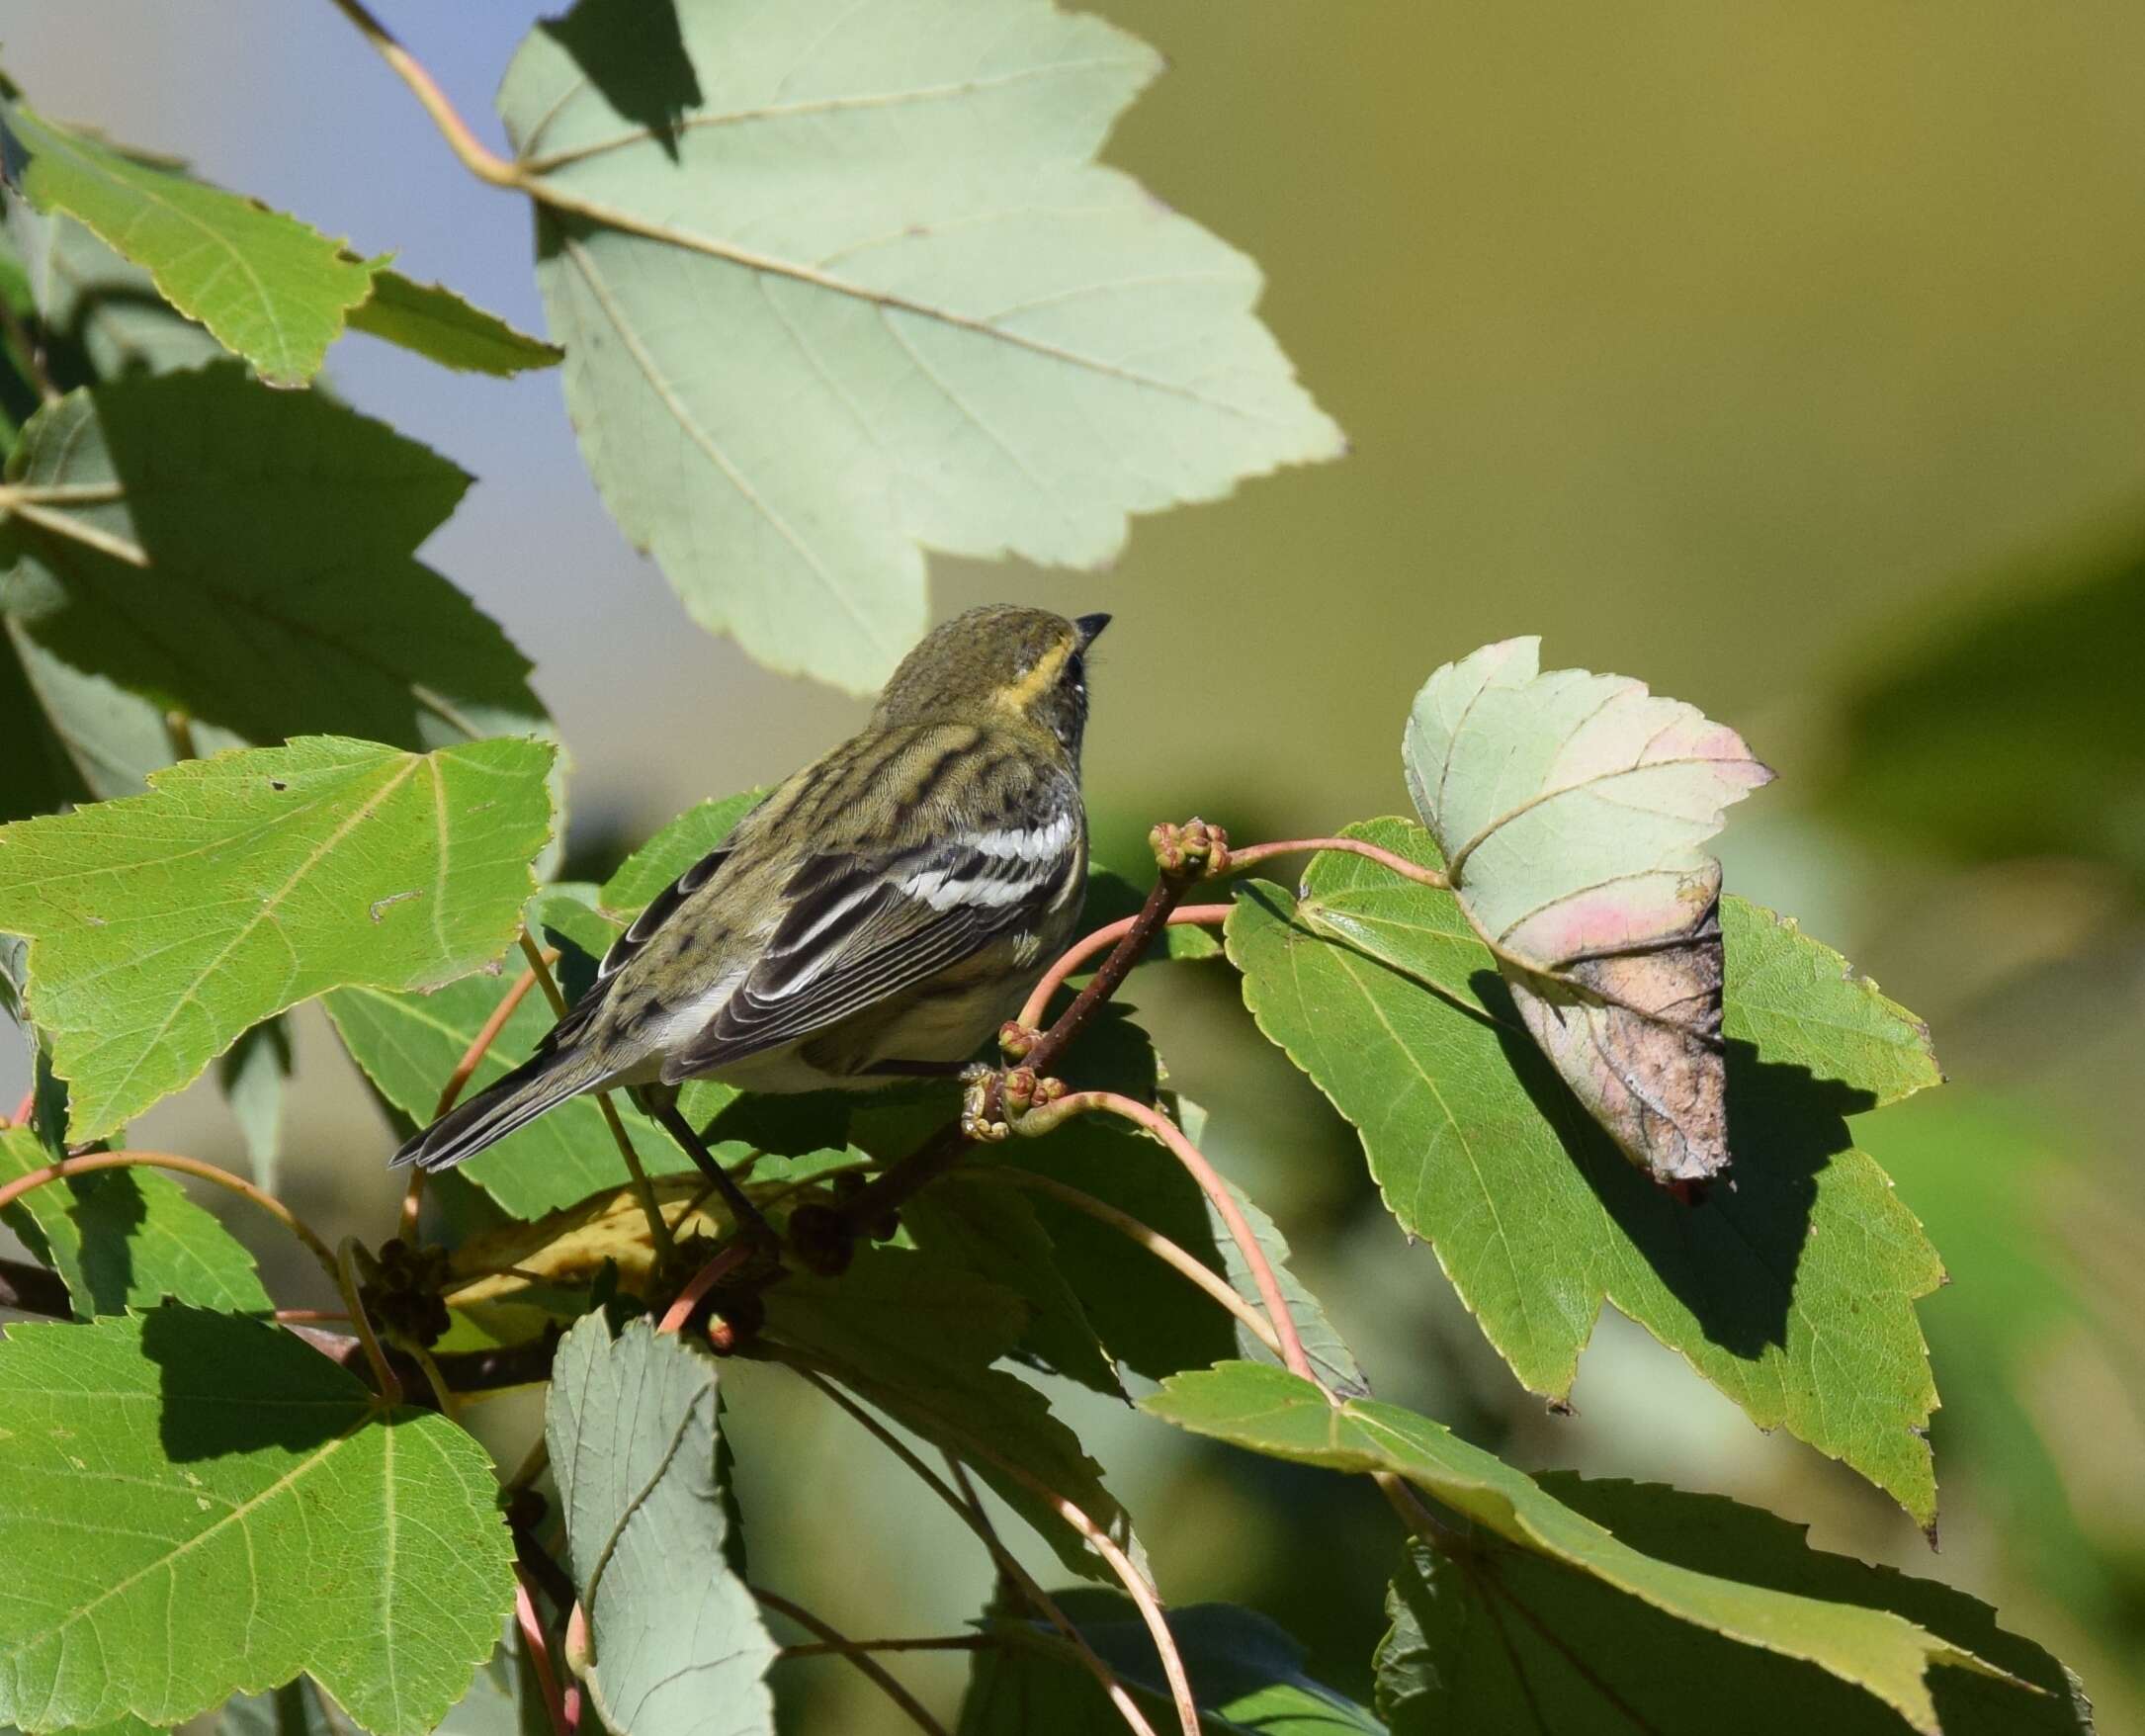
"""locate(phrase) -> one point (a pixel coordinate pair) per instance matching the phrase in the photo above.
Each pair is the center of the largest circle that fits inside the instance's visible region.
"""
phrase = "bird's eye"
(1076, 670)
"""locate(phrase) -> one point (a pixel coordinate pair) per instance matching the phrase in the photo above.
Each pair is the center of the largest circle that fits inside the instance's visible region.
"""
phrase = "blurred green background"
(1789, 357)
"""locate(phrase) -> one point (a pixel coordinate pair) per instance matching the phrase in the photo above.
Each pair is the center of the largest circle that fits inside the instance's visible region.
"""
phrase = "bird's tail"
(539, 1084)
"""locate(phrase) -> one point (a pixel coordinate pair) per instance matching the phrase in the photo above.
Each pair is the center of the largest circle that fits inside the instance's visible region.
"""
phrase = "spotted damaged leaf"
(1570, 807)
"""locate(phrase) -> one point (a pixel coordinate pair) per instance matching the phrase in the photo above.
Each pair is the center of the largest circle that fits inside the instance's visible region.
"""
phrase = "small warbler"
(881, 913)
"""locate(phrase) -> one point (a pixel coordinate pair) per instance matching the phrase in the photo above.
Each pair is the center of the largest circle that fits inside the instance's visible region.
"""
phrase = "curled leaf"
(1570, 807)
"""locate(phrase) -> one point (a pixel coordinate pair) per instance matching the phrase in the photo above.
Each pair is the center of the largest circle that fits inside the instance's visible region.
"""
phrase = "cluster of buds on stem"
(823, 1238)
(1022, 1091)
(401, 1289)
(998, 1102)
(1189, 850)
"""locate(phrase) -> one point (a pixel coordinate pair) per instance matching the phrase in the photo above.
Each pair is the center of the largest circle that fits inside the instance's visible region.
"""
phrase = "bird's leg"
(743, 1211)
(981, 1117)
(1001, 1100)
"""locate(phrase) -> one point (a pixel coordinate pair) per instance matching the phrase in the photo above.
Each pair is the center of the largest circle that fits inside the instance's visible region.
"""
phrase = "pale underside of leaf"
(1570, 807)
(942, 325)
(676, 1639)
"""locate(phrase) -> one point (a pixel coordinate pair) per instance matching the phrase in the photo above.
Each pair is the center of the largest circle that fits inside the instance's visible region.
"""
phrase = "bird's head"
(994, 665)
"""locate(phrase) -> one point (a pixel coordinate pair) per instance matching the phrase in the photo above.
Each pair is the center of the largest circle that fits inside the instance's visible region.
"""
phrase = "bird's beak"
(1090, 627)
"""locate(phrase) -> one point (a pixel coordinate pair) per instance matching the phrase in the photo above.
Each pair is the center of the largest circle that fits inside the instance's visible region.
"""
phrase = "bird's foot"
(981, 1101)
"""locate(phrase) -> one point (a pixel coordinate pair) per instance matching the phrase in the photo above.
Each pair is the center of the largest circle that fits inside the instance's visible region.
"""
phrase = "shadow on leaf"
(1729, 1257)
(232, 1385)
(108, 1211)
(633, 53)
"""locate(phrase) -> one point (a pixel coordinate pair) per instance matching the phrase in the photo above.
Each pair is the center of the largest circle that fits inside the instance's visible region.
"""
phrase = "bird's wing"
(629, 945)
(862, 928)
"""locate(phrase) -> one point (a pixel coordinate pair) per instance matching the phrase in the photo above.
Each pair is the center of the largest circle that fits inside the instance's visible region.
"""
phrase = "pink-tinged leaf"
(1571, 807)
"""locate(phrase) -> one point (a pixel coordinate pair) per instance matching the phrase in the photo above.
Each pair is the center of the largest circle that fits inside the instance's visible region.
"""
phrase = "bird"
(878, 915)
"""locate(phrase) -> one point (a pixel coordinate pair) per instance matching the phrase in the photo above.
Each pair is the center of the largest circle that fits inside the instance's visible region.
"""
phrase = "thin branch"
(469, 1276)
(27, 505)
(958, 1472)
(487, 165)
(94, 1160)
(1556, 1643)
(944, 1150)
(466, 1373)
(1136, 1583)
(539, 1650)
(534, 1463)
(497, 1369)
(1072, 962)
(28, 353)
(930, 1642)
(743, 1214)
(1209, 1182)
(180, 729)
(411, 1211)
(900, 1180)
(544, 1568)
(659, 1225)
(471, 1058)
(1162, 897)
(1174, 1254)
(1007, 1562)
(724, 1261)
(1252, 854)
(1400, 1495)
(444, 1396)
(1229, 861)
(26, 1109)
(386, 1381)
(870, 1667)
(64, 494)
(477, 158)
